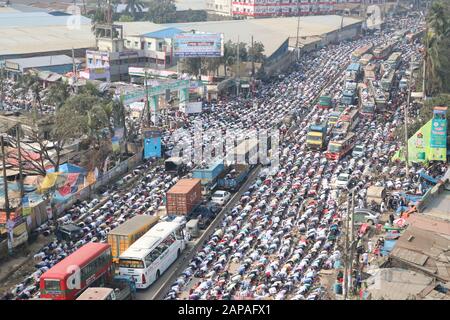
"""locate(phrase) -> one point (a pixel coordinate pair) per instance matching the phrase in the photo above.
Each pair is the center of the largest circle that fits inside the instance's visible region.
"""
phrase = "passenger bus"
(365, 59)
(350, 115)
(359, 52)
(394, 60)
(151, 255)
(340, 128)
(387, 80)
(89, 265)
(383, 51)
(333, 117)
(339, 147)
(128, 232)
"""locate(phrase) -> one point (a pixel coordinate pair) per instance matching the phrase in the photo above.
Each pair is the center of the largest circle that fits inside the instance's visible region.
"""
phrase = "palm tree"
(134, 7)
(438, 30)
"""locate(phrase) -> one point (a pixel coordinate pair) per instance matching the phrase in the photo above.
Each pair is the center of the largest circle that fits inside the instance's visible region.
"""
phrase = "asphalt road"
(158, 290)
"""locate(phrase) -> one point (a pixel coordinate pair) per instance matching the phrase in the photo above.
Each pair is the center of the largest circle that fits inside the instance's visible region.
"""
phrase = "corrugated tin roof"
(44, 61)
(164, 33)
(37, 19)
(427, 223)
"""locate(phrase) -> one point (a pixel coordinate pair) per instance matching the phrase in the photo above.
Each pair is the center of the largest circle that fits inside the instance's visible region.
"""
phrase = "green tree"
(134, 7)
(437, 49)
(162, 11)
(57, 94)
(257, 52)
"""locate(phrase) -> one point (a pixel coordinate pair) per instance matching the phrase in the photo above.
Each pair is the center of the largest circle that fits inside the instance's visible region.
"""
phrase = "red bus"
(90, 264)
(339, 147)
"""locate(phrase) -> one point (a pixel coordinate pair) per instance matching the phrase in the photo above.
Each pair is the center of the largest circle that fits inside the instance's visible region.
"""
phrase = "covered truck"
(233, 177)
(184, 197)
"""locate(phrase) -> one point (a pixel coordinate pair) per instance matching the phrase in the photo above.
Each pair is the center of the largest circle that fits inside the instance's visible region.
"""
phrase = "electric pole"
(238, 69)
(352, 227)
(19, 158)
(297, 42)
(5, 188)
(406, 117)
(346, 258)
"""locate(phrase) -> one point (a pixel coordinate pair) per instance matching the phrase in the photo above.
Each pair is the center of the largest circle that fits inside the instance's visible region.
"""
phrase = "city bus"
(333, 117)
(394, 60)
(350, 115)
(387, 80)
(339, 147)
(151, 255)
(383, 51)
(89, 265)
(359, 52)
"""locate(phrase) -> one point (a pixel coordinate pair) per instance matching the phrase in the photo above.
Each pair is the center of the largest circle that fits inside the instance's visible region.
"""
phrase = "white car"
(366, 215)
(342, 180)
(220, 197)
(358, 151)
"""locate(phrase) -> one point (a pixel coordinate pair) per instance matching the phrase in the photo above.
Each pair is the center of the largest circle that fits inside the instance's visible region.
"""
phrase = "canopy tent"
(68, 168)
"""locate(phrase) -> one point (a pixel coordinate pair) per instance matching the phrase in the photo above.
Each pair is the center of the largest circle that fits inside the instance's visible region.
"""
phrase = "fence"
(112, 174)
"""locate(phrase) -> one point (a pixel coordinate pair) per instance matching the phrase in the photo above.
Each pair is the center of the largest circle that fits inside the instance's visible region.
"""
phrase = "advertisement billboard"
(192, 45)
(439, 133)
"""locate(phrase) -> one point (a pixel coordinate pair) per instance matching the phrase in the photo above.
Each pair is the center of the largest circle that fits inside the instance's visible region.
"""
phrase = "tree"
(57, 94)
(134, 7)
(257, 52)
(192, 65)
(211, 65)
(162, 11)
(437, 49)
(229, 55)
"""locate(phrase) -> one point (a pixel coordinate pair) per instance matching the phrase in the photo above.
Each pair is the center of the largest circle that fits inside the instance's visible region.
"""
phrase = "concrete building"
(220, 7)
(270, 8)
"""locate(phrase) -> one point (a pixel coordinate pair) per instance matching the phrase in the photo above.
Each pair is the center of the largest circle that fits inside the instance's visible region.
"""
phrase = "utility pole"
(74, 70)
(297, 42)
(2, 88)
(238, 69)
(19, 158)
(406, 117)
(352, 230)
(5, 188)
(147, 105)
(346, 260)
(424, 89)
(253, 59)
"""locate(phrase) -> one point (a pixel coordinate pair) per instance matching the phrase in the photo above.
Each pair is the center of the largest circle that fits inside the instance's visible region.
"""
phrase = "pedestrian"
(391, 219)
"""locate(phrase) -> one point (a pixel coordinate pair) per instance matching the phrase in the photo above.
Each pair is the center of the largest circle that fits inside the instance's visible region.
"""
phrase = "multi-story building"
(270, 8)
(222, 7)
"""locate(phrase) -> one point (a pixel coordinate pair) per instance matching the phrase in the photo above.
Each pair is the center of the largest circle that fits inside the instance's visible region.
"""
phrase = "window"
(131, 263)
(52, 285)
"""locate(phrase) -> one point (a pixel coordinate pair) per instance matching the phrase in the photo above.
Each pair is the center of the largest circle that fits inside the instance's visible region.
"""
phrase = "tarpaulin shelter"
(68, 168)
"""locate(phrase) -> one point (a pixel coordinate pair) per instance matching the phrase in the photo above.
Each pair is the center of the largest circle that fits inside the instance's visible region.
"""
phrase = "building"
(220, 7)
(30, 34)
(271, 8)
(59, 64)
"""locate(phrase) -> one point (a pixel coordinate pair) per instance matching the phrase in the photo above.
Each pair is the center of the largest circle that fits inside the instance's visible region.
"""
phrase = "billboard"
(439, 133)
(152, 143)
(194, 45)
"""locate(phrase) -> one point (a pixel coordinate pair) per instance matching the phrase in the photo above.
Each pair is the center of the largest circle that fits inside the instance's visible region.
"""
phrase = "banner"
(198, 45)
(439, 133)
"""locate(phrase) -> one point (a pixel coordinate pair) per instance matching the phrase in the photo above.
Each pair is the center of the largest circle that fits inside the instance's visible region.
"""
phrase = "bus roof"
(95, 294)
(135, 223)
(149, 240)
(79, 258)
(342, 140)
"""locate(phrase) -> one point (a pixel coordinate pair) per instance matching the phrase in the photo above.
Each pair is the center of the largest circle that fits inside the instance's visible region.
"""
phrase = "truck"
(333, 117)
(120, 288)
(127, 233)
(316, 136)
(325, 102)
(365, 59)
(184, 197)
(233, 177)
(175, 165)
(208, 175)
(353, 72)
(367, 103)
(379, 95)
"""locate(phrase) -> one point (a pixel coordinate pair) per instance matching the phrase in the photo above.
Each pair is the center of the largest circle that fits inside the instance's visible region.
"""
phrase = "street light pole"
(5, 187)
(297, 44)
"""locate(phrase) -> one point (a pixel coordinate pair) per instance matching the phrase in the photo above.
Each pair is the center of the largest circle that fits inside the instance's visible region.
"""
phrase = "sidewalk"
(20, 262)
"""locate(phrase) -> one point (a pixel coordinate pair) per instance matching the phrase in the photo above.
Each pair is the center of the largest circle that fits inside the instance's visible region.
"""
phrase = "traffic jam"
(337, 112)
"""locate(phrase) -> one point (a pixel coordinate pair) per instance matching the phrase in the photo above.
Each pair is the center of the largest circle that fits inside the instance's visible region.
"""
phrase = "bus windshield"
(334, 147)
(52, 285)
(131, 263)
(314, 138)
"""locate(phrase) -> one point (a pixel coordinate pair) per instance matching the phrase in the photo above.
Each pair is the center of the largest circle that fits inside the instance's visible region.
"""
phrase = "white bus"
(151, 255)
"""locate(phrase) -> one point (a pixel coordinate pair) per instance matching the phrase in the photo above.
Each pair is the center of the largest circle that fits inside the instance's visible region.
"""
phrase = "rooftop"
(164, 33)
(44, 61)
(272, 32)
(190, 4)
(36, 19)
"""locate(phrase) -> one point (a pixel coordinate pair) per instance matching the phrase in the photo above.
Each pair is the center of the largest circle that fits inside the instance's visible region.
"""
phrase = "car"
(220, 197)
(342, 181)
(362, 215)
(358, 151)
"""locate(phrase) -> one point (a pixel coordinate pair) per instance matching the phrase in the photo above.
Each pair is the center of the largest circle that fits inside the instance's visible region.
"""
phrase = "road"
(158, 289)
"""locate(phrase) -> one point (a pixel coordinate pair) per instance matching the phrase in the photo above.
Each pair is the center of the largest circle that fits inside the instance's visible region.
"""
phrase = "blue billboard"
(152, 143)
